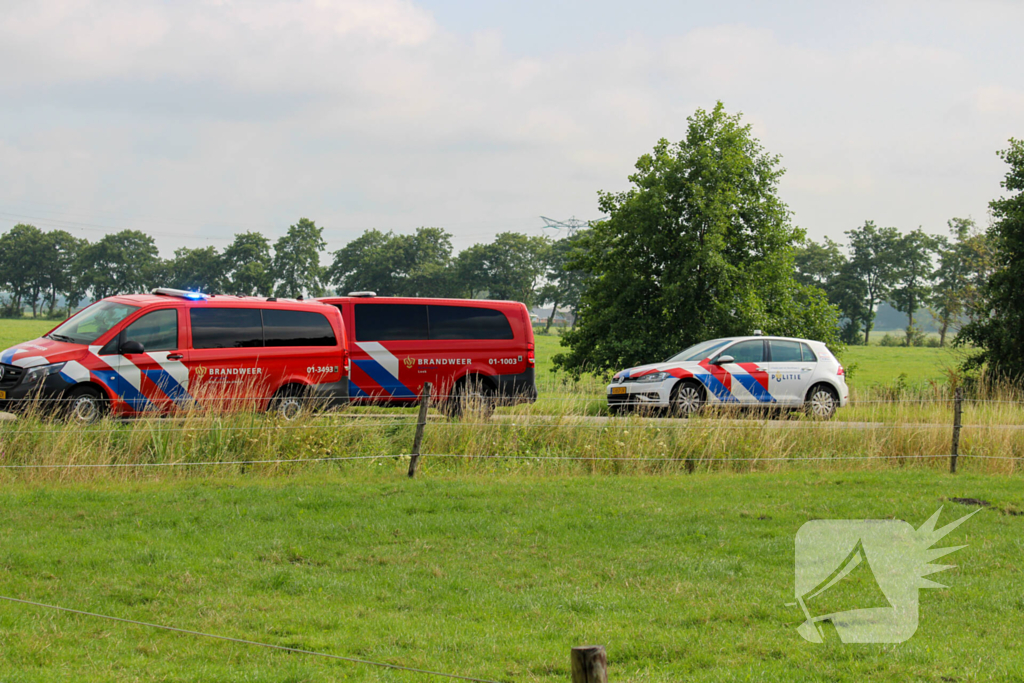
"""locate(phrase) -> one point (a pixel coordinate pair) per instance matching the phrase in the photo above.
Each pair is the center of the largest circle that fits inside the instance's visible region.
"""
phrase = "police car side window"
(808, 355)
(468, 322)
(156, 331)
(785, 351)
(751, 351)
(226, 328)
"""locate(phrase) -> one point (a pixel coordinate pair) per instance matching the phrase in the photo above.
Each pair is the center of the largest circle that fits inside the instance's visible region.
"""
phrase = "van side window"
(296, 328)
(467, 322)
(156, 331)
(226, 328)
(390, 322)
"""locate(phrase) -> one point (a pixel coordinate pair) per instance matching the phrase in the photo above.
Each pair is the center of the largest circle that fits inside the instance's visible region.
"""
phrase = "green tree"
(564, 285)
(699, 247)
(912, 277)
(126, 262)
(873, 259)
(21, 250)
(297, 268)
(510, 267)
(818, 264)
(395, 265)
(963, 266)
(61, 277)
(248, 265)
(200, 270)
(826, 267)
(998, 324)
(427, 267)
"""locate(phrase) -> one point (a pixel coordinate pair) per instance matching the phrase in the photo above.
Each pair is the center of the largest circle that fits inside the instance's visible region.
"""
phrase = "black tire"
(468, 396)
(84, 405)
(688, 398)
(822, 402)
(290, 403)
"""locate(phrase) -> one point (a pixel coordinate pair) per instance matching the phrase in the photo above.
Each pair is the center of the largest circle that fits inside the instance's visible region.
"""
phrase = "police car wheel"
(85, 405)
(822, 402)
(687, 399)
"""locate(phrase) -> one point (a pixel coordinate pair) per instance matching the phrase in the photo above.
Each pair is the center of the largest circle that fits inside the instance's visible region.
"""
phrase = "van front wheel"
(85, 405)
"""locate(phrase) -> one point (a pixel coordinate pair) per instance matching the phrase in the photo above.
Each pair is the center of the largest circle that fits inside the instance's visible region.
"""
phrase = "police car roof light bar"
(184, 294)
(362, 294)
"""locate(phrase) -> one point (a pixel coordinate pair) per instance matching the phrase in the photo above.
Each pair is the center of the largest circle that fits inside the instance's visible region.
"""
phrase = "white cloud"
(369, 113)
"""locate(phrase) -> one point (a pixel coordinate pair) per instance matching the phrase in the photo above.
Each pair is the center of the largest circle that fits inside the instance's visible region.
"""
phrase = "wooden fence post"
(955, 450)
(589, 664)
(421, 422)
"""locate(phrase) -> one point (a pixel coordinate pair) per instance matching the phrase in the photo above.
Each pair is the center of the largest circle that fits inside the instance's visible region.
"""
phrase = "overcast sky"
(193, 120)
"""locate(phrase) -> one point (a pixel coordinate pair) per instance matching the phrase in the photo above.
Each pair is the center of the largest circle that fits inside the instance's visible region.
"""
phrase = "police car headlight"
(654, 377)
(41, 372)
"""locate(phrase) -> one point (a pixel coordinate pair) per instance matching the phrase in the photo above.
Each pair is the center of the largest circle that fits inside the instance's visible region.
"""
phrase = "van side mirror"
(130, 347)
(722, 360)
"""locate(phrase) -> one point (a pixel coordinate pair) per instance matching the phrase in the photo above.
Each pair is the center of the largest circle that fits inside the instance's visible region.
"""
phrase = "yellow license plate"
(3, 394)
(619, 390)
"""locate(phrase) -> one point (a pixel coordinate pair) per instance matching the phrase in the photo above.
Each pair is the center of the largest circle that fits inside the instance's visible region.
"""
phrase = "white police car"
(740, 371)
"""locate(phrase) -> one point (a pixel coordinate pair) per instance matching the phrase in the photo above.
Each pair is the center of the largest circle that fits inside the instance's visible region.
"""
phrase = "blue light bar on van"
(184, 294)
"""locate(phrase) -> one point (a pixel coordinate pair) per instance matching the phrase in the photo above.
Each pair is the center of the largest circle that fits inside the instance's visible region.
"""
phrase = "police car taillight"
(841, 372)
(530, 360)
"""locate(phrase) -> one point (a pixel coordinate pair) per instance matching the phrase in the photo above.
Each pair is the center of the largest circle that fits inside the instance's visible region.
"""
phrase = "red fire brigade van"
(174, 349)
(460, 346)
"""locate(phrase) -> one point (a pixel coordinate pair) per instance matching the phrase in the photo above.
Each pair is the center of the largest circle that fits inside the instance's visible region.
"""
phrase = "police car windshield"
(700, 351)
(92, 322)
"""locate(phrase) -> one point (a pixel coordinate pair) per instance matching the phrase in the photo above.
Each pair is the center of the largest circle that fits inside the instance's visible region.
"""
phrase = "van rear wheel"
(469, 397)
(289, 403)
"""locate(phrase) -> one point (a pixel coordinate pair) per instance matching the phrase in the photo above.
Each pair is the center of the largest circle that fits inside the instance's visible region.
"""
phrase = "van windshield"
(699, 352)
(92, 322)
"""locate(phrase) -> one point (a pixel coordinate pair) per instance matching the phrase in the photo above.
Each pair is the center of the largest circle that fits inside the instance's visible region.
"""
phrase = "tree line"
(914, 272)
(39, 270)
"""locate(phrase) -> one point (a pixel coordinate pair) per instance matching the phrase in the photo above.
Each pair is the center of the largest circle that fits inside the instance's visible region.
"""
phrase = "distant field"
(493, 576)
(13, 331)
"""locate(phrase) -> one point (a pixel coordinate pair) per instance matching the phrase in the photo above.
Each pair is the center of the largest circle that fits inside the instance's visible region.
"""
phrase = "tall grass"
(563, 432)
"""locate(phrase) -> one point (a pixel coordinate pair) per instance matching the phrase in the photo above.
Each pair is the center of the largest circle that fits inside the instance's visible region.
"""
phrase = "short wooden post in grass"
(589, 664)
(421, 422)
(955, 450)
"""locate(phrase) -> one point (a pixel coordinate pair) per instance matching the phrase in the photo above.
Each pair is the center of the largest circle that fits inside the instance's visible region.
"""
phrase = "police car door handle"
(175, 356)
(805, 369)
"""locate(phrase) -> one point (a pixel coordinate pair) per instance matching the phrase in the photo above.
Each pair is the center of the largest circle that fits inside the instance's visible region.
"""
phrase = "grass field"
(682, 578)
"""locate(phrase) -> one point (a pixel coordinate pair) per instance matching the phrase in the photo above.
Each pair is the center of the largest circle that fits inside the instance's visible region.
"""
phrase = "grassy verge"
(682, 578)
(566, 440)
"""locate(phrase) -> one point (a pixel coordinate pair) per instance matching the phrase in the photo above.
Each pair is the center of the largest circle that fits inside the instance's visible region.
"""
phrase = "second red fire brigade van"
(461, 346)
(174, 349)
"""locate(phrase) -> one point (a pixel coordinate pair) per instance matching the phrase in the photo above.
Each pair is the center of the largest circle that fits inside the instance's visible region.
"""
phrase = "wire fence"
(244, 641)
(477, 420)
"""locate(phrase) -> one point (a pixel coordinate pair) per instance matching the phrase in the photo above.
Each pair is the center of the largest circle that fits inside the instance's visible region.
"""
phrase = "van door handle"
(175, 356)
